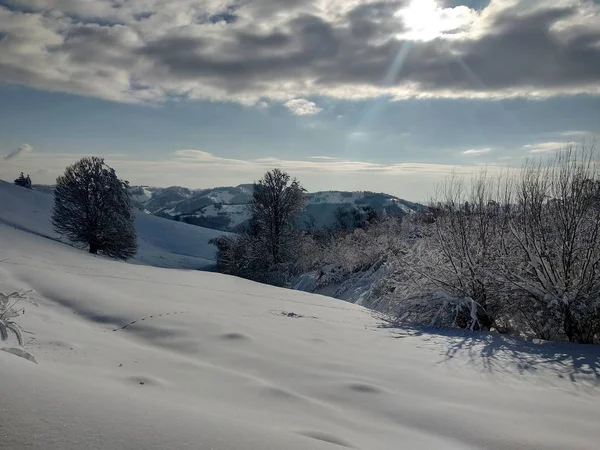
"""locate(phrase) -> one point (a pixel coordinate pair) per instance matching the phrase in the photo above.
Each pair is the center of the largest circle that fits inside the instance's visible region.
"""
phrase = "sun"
(425, 20)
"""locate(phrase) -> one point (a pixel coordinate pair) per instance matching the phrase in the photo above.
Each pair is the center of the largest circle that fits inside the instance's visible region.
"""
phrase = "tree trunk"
(93, 249)
(572, 329)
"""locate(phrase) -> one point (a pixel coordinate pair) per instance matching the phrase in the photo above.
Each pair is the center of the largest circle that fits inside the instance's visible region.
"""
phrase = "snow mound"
(162, 242)
(138, 357)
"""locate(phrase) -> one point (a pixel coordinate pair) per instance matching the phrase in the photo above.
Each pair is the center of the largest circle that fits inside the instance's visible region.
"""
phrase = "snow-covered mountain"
(162, 243)
(138, 357)
(224, 208)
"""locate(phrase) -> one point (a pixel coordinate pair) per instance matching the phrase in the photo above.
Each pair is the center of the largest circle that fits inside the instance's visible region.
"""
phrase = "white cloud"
(479, 151)
(548, 147)
(201, 169)
(576, 133)
(426, 20)
(25, 148)
(198, 156)
(302, 107)
(324, 158)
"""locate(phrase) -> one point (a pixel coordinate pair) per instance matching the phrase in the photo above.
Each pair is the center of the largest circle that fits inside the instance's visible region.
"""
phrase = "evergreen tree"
(93, 207)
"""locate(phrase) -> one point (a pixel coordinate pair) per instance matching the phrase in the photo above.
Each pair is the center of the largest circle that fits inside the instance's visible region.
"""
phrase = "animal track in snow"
(149, 317)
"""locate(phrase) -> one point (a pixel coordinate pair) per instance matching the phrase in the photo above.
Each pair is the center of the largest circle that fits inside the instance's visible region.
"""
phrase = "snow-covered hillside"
(136, 357)
(224, 208)
(163, 243)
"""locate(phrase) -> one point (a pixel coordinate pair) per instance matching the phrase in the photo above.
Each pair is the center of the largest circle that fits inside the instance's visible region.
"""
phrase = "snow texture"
(137, 357)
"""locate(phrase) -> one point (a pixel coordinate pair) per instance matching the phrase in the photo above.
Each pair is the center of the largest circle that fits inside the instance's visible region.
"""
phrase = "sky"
(382, 95)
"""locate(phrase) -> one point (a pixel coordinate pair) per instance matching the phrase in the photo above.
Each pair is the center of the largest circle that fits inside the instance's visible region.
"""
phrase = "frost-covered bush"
(9, 311)
(520, 253)
(7, 314)
(243, 255)
(8, 327)
(454, 257)
(425, 287)
(346, 253)
(551, 247)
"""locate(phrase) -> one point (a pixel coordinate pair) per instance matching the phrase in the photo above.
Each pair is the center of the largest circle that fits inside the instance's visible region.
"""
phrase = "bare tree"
(521, 252)
(553, 246)
(451, 264)
(277, 204)
(92, 206)
(241, 255)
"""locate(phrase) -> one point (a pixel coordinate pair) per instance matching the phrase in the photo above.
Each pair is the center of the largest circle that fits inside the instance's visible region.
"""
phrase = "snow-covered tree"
(93, 207)
(276, 206)
(552, 246)
(519, 253)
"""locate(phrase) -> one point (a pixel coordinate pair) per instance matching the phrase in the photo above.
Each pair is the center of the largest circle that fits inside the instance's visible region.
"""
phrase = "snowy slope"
(163, 243)
(136, 357)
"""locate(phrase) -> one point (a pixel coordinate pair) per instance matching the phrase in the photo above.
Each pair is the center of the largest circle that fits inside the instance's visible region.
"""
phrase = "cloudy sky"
(384, 95)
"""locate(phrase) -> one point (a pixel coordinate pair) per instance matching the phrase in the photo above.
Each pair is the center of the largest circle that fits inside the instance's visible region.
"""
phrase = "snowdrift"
(162, 242)
(137, 357)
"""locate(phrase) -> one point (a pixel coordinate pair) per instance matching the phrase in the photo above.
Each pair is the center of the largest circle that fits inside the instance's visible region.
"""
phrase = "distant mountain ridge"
(225, 208)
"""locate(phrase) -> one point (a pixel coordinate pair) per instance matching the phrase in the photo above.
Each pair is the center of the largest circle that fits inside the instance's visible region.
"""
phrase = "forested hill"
(225, 208)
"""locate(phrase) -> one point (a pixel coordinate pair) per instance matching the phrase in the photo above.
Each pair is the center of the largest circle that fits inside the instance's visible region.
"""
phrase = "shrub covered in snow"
(7, 313)
(518, 253)
(10, 308)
